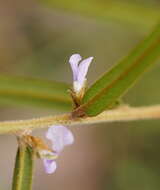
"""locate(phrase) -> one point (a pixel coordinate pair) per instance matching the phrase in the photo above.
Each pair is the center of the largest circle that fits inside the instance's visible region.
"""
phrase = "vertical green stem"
(23, 171)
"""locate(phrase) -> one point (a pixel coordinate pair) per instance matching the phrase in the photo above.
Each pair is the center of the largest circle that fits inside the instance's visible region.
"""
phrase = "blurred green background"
(36, 39)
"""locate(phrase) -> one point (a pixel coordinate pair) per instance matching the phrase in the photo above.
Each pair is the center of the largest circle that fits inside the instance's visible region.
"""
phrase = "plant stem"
(122, 113)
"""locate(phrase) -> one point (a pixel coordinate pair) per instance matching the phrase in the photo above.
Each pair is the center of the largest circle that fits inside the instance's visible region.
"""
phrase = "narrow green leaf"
(23, 171)
(113, 84)
(136, 14)
(35, 92)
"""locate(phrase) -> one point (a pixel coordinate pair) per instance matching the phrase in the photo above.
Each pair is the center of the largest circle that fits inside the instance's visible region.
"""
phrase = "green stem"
(23, 171)
(122, 113)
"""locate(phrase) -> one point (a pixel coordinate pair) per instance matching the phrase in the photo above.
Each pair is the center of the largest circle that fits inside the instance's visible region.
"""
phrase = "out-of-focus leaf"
(140, 15)
(23, 171)
(113, 84)
(35, 92)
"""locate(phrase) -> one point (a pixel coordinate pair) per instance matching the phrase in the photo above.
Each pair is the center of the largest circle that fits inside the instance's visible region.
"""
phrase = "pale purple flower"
(49, 162)
(79, 70)
(50, 166)
(60, 136)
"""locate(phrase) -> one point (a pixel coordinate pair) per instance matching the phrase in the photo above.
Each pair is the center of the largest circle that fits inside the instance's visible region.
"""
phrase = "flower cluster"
(59, 135)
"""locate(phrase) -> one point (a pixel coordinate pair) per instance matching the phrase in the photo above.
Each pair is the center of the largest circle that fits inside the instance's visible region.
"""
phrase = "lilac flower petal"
(60, 136)
(50, 166)
(68, 137)
(74, 60)
(83, 69)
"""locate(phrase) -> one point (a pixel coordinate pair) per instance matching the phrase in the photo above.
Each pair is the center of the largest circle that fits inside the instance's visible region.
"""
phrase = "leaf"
(113, 84)
(139, 15)
(36, 92)
(23, 172)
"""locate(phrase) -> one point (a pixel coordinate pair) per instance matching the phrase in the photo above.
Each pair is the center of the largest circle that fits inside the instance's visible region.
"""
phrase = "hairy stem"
(122, 113)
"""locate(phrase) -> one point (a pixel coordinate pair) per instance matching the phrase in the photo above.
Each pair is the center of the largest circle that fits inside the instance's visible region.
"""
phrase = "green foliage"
(113, 84)
(133, 13)
(22, 179)
(36, 92)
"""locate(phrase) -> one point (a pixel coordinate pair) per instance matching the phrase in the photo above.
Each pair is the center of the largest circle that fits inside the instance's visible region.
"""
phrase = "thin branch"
(123, 113)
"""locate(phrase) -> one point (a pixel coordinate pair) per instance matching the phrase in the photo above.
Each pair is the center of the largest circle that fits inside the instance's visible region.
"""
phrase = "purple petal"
(60, 137)
(50, 166)
(83, 69)
(74, 60)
